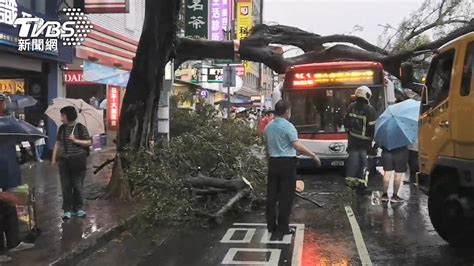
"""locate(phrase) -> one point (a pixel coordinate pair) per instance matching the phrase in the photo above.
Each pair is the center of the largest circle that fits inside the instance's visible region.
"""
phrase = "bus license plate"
(337, 163)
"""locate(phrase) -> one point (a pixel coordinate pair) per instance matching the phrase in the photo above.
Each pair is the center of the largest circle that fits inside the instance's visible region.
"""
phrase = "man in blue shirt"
(282, 144)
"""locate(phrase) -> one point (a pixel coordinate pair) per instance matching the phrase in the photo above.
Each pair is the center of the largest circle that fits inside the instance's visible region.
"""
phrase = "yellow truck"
(446, 140)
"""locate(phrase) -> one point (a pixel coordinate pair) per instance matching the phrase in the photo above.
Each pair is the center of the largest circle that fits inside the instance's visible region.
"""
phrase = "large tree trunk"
(143, 90)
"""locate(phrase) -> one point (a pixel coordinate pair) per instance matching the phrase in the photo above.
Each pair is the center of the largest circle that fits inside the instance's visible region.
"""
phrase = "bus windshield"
(323, 110)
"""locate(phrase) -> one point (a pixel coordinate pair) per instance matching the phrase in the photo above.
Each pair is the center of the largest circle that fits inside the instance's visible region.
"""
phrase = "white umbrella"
(86, 114)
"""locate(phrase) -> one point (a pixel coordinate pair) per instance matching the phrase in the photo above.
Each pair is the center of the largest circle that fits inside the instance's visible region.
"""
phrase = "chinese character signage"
(8, 11)
(244, 18)
(215, 75)
(113, 108)
(196, 18)
(219, 19)
(38, 35)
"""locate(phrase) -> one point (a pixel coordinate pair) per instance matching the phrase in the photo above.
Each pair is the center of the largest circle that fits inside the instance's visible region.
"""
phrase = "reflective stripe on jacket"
(360, 123)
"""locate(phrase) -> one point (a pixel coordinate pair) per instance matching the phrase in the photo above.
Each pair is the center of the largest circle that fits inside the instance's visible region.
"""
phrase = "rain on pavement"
(393, 234)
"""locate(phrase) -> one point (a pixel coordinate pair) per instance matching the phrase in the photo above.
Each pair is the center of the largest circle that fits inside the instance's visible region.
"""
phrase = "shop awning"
(185, 83)
(236, 100)
(105, 75)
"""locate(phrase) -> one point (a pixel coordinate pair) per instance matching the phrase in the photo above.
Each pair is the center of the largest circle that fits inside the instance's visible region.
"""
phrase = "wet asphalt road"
(348, 230)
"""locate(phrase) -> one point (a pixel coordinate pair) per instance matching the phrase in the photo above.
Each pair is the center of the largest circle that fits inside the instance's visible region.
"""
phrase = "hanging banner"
(244, 18)
(113, 108)
(196, 19)
(106, 6)
(219, 19)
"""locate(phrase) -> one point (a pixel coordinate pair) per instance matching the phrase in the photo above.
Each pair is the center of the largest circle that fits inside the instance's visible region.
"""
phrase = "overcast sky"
(339, 16)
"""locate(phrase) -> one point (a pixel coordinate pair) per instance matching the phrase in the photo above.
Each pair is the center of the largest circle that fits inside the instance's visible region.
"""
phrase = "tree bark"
(143, 90)
(218, 216)
(209, 182)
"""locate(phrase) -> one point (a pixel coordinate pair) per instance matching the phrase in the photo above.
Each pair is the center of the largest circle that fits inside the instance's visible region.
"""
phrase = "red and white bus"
(319, 95)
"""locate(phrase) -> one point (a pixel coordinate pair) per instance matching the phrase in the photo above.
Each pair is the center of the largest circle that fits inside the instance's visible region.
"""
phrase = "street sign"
(229, 77)
(203, 94)
(226, 62)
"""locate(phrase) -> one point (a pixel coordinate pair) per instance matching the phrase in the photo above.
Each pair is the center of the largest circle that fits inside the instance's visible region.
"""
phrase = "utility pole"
(259, 85)
(229, 72)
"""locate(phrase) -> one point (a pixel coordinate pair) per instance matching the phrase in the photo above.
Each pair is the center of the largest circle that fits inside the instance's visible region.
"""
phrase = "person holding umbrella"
(395, 130)
(70, 153)
(394, 165)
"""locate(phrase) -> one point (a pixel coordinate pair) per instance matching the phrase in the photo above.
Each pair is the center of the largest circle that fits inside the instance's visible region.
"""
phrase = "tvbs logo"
(32, 28)
(39, 35)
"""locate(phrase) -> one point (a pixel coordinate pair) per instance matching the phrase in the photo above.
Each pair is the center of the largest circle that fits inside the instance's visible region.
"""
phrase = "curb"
(90, 245)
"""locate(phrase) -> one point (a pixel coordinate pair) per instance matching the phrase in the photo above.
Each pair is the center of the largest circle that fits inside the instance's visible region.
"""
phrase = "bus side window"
(466, 83)
(440, 78)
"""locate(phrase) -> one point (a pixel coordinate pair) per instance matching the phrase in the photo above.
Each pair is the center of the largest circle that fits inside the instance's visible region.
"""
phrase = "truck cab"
(446, 140)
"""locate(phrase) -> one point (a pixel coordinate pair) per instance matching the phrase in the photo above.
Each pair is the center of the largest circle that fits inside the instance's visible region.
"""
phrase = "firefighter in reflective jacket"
(359, 122)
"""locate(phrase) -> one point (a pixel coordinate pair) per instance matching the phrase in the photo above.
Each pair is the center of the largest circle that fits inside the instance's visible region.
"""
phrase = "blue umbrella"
(22, 101)
(398, 125)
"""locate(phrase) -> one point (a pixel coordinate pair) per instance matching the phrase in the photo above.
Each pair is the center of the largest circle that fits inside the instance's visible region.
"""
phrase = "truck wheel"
(449, 210)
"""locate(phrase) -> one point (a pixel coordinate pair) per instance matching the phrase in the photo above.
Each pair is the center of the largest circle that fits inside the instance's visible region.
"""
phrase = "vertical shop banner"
(196, 18)
(244, 18)
(244, 24)
(113, 106)
(219, 19)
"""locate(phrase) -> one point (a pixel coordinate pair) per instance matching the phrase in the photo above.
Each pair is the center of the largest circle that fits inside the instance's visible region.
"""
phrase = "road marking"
(249, 232)
(361, 248)
(267, 239)
(272, 260)
(297, 256)
(298, 246)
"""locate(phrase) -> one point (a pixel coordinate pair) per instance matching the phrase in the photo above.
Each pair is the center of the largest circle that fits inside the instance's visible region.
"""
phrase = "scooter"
(24, 152)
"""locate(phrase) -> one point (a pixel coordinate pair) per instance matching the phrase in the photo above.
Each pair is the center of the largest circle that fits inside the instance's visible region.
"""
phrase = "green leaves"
(200, 144)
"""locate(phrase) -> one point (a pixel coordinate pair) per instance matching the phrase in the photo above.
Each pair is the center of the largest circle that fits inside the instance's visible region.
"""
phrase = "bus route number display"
(334, 78)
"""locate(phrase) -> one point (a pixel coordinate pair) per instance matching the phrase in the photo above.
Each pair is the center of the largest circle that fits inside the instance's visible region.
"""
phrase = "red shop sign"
(75, 77)
(113, 108)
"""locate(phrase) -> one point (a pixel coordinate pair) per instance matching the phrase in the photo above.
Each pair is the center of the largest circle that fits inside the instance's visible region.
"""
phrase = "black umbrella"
(12, 129)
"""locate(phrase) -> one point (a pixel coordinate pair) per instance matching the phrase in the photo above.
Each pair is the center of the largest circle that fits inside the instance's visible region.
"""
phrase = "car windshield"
(323, 110)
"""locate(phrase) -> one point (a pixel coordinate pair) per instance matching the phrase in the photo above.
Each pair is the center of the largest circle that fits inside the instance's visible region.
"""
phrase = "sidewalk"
(58, 239)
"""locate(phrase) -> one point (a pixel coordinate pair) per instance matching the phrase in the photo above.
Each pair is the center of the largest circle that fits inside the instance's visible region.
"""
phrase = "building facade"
(257, 79)
(35, 70)
(102, 64)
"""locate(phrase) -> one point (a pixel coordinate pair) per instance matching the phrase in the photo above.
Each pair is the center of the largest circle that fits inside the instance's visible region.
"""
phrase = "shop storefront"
(37, 74)
(78, 88)
(100, 74)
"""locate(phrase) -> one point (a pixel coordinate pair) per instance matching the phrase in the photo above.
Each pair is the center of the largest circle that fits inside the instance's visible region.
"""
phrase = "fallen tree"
(203, 172)
(159, 44)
